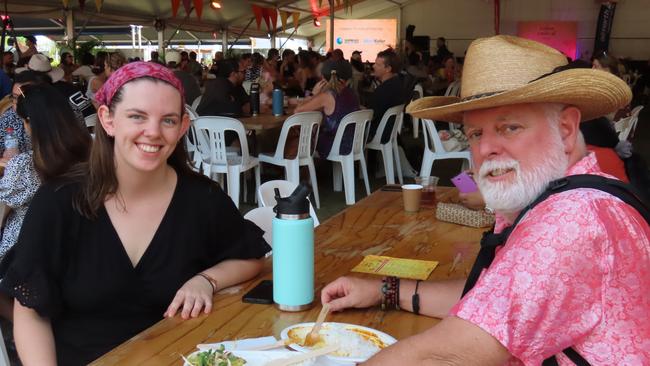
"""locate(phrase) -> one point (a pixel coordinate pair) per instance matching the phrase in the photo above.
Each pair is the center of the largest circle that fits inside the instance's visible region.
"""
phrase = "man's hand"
(351, 292)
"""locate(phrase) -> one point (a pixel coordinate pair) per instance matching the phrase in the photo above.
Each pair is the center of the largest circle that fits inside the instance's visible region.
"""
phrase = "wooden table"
(375, 225)
(265, 120)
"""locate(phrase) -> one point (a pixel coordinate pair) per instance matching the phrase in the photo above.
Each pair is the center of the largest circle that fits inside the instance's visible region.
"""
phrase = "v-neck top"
(76, 272)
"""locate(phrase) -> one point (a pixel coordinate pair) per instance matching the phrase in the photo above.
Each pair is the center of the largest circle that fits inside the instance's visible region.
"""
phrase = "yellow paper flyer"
(399, 267)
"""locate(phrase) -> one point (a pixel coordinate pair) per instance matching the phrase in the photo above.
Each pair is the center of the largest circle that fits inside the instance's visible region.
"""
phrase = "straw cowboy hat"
(505, 70)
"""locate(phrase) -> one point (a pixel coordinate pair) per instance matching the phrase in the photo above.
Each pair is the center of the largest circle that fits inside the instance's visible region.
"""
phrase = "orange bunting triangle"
(65, 3)
(296, 19)
(98, 5)
(284, 15)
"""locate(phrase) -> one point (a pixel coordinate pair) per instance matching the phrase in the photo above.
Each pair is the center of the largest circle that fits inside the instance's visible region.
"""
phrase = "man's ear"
(569, 125)
(106, 119)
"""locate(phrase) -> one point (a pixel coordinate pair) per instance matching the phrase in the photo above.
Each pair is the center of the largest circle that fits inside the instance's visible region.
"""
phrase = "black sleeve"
(599, 132)
(32, 269)
(238, 238)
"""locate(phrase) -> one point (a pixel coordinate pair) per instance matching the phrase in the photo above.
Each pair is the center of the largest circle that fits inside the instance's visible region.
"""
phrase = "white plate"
(261, 358)
(386, 339)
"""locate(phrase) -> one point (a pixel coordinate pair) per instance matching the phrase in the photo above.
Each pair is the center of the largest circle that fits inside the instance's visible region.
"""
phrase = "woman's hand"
(351, 292)
(319, 87)
(196, 294)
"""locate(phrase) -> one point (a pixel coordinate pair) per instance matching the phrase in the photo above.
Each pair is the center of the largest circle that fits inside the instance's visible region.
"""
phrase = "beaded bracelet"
(390, 293)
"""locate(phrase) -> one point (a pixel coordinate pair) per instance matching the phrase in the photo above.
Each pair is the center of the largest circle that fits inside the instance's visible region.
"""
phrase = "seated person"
(572, 273)
(335, 99)
(225, 96)
(190, 83)
(129, 238)
(388, 94)
(9, 119)
(58, 145)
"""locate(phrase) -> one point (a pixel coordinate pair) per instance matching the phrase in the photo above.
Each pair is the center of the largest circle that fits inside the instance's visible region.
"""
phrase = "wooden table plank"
(263, 121)
(375, 225)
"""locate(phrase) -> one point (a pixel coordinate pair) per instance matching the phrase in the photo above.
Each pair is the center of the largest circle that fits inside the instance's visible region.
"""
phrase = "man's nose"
(489, 145)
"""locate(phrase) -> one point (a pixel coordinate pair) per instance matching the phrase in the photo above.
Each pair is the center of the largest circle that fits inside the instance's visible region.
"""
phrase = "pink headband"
(135, 70)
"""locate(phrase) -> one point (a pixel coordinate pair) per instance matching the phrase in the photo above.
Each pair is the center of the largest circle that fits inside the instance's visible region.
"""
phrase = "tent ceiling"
(111, 24)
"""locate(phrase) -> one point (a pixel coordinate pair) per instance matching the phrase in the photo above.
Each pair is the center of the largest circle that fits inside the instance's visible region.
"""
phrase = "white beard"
(512, 197)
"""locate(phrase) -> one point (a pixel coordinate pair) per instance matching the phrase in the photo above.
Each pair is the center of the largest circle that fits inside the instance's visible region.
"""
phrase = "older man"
(573, 273)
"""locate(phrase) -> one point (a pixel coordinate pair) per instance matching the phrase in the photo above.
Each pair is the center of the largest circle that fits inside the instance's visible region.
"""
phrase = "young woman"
(57, 146)
(113, 61)
(335, 99)
(130, 237)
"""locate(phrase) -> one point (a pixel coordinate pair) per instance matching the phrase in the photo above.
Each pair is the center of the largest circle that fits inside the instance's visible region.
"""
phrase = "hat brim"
(596, 93)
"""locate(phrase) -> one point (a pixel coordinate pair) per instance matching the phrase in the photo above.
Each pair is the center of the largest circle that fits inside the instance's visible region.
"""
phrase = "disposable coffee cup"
(412, 194)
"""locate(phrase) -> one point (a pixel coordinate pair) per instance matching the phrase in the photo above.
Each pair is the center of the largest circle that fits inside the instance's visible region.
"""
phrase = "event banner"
(560, 35)
(604, 28)
(370, 36)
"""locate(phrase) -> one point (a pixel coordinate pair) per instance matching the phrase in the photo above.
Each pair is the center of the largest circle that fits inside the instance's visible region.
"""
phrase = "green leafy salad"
(215, 357)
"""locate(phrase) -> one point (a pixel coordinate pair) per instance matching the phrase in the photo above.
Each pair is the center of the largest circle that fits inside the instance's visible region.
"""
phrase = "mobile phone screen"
(260, 294)
(464, 183)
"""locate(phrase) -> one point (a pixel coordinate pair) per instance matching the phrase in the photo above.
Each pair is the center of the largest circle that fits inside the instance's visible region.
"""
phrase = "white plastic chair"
(626, 126)
(453, 90)
(216, 160)
(434, 150)
(389, 151)
(192, 144)
(307, 122)
(263, 218)
(416, 121)
(196, 103)
(191, 112)
(345, 168)
(266, 195)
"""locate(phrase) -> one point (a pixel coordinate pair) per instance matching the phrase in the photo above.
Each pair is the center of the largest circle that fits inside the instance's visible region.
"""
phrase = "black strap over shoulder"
(491, 241)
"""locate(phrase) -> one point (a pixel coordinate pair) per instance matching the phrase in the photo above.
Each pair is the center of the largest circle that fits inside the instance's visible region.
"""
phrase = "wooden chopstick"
(304, 356)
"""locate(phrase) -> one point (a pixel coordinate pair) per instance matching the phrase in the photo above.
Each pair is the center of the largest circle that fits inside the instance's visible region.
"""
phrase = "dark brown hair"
(58, 139)
(98, 178)
(609, 62)
(391, 59)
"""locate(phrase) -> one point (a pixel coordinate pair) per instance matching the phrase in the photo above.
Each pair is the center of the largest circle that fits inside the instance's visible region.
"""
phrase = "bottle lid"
(296, 204)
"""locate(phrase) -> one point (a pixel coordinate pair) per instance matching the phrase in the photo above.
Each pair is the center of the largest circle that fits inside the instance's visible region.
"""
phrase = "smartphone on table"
(260, 294)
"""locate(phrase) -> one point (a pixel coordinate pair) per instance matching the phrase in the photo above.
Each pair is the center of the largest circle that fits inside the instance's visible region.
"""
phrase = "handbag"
(459, 214)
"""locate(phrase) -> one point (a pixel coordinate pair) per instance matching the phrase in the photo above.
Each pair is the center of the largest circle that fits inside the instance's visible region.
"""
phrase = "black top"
(222, 98)
(76, 272)
(388, 94)
(190, 85)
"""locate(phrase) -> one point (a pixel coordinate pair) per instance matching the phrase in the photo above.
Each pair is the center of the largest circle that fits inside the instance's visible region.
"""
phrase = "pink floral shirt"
(574, 272)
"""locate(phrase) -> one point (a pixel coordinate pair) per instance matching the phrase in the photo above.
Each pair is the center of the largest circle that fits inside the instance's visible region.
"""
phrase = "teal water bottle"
(278, 102)
(293, 251)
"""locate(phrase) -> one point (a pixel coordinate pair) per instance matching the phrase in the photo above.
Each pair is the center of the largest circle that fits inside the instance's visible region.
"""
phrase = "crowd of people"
(90, 247)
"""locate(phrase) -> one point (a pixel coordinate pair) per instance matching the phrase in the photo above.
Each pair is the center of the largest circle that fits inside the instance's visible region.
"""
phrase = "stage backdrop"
(366, 35)
(559, 35)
